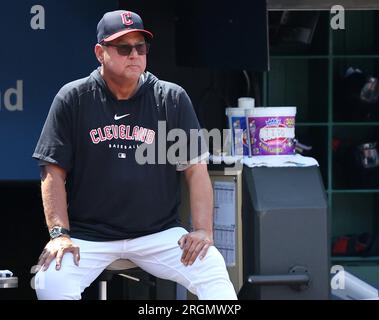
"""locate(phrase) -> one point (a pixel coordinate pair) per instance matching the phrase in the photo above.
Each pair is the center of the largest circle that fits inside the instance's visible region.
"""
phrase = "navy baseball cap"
(115, 24)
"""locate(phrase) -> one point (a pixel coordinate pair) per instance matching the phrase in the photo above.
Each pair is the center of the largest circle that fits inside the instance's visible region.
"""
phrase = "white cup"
(246, 102)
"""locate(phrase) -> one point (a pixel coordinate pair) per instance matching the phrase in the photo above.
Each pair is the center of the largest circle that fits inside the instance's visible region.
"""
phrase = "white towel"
(296, 160)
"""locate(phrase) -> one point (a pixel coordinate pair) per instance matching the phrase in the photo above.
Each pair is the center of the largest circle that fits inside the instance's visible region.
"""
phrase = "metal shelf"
(340, 191)
(356, 259)
(312, 124)
(299, 57)
(355, 124)
(356, 56)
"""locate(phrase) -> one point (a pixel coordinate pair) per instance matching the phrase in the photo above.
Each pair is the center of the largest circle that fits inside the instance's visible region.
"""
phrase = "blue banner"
(45, 44)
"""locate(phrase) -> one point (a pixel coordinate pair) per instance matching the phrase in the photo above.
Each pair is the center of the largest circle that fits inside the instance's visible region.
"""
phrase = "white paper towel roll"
(246, 102)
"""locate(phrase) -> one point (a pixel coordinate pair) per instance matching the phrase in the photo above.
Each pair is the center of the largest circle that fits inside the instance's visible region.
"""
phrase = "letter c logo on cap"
(127, 18)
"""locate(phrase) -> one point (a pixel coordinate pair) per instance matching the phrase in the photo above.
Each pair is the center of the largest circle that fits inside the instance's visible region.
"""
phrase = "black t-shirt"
(94, 137)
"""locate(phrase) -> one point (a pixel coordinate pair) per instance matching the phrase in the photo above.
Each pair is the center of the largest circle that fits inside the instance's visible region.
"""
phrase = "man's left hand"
(195, 244)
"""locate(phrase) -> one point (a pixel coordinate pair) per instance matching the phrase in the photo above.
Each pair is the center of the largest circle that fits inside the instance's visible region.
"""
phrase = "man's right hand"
(56, 248)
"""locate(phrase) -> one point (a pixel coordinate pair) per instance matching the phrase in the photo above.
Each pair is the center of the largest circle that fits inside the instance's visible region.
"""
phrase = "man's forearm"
(54, 197)
(201, 197)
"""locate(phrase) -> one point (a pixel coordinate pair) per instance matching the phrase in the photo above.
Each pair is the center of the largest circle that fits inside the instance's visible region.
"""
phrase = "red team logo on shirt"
(122, 132)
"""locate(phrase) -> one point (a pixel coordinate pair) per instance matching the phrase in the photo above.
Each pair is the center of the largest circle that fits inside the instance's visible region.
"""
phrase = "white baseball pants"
(159, 254)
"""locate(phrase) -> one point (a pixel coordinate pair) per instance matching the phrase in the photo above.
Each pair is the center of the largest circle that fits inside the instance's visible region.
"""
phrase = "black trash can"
(285, 234)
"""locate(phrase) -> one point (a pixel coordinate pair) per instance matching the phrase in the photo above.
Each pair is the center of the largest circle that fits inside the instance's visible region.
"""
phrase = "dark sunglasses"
(126, 49)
